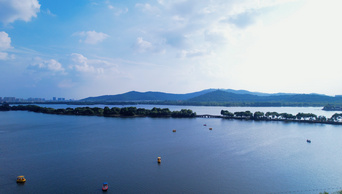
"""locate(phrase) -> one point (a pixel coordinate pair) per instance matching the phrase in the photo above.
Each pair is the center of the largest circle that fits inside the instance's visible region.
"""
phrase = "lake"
(75, 154)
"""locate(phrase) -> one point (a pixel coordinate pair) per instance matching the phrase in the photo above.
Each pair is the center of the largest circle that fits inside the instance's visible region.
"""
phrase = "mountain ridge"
(217, 95)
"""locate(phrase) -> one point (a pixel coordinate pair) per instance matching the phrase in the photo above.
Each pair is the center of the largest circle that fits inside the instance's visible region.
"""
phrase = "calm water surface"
(75, 154)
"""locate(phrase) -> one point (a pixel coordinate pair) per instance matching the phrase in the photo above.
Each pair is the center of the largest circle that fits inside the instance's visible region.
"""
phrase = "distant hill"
(145, 96)
(220, 97)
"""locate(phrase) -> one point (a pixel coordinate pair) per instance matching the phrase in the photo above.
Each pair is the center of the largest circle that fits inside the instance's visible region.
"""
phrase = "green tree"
(273, 115)
(106, 111)
(336, 117)
(98, 111)
(5, 107)
(226, 113)
(115, 111)
(128, 111)
(258, 115)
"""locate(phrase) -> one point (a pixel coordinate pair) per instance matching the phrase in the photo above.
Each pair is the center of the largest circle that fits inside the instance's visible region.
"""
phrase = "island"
(330, 107)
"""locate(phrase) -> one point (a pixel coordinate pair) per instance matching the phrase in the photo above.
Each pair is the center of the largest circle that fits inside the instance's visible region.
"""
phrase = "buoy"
(210, 128)
(159, 159)
(21, 179)
(174, 130)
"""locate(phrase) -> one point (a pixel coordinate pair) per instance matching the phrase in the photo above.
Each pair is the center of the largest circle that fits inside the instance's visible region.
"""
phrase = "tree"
(106, 111)
(273, 115)
(336, 117)
(227, 113)
(98, 111)
(115, 111)
(142, 112)
(306, 116)
(322, 119)
(258, 115)
(245, 114)
(128, 111)
(287, 116)
(5, 107)
(183, 113)
(238, 114)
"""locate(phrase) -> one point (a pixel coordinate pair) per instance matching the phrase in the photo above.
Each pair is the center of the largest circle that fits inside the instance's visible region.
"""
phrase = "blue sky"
(80, 48)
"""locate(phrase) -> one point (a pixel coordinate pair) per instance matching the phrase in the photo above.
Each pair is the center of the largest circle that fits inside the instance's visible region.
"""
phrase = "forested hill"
(221, 97)
(145, 96)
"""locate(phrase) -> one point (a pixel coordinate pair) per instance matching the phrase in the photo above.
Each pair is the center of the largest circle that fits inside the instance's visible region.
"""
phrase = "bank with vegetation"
(183, 113)
(108, 112)
(274, 116)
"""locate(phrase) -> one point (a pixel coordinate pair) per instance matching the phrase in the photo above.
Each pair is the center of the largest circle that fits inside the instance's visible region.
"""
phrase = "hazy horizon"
(50, 98)
(81, 48)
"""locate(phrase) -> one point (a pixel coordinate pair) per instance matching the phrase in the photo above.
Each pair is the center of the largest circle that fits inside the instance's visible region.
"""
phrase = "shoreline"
(133, 112)
(269, 119)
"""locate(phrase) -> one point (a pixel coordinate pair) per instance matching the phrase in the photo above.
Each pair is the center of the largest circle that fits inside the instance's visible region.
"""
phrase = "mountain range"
(220, 96)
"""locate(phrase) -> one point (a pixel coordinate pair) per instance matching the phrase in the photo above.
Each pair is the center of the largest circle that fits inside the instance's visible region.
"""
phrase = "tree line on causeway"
(183, 113)
(109, 112)
(308, 117)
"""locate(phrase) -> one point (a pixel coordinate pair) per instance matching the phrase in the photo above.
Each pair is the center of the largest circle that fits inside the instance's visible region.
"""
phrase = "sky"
(81, 48)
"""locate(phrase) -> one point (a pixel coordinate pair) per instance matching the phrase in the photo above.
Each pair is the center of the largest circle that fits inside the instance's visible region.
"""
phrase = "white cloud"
(82, 64)
(177, 19)
(5, 44)
(5, 41)
(48, 12)
(3, 56)
(194, 53)
(142, 45)
(117, 11)
(147, 8)
(12, 10)
(47, 65)
(91, 37)
(54, 65)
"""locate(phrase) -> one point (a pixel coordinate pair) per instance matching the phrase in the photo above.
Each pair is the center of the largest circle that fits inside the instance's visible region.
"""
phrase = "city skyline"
(32, 99)
(82, 48)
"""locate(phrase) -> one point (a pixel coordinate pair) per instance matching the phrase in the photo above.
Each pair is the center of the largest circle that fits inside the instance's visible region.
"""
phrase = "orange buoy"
(159, 159)
(21, 179)
(174, 130)
(210, 128)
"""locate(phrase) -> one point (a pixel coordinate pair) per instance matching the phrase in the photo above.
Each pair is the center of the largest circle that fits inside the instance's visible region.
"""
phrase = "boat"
(308, 140)
(105, 186)
(21, 179)
(205, 125)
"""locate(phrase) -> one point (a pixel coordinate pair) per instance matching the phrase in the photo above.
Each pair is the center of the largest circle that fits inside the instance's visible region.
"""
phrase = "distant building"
(61, 99)
(9, 99)
(54, 99)
(36, 99)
